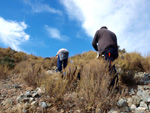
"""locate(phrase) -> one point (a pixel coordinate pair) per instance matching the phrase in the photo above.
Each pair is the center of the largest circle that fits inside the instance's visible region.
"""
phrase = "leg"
(65, 61)
(59, 64)
(110, 57)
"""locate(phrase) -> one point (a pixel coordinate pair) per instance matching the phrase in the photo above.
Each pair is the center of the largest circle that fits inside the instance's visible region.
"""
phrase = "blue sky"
(42, 27)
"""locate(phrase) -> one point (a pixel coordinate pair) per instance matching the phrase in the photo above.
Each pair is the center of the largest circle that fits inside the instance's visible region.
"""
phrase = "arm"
(58, 53)
(94, 43)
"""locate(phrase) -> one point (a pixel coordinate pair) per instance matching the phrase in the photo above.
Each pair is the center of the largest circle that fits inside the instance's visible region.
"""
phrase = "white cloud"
(55, 33)
(12, 33)
(128, 19)
(38, 7)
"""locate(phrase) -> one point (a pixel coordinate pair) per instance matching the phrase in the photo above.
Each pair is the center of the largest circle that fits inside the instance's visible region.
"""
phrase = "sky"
(42, 27)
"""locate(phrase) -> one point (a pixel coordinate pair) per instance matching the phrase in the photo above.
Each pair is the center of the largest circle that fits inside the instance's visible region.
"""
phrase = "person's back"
(62, 55)
(105, 39)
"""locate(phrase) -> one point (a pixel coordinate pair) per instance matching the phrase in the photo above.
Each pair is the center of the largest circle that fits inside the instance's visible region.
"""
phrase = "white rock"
(34, 103)
(133, 107)
(143, 105)
(129, 101)
(40, 90)
(122, 103)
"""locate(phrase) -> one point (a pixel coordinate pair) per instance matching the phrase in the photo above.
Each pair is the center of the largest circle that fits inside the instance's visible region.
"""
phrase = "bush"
(93, 88)
(134, 61)
(7, 61)
(4, 72)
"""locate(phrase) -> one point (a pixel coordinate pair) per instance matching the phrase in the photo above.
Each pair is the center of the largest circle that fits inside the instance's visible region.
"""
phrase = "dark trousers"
(110, 55)
(59, 63)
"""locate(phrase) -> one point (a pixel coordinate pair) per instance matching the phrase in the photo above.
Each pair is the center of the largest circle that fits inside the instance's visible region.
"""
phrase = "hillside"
(31, 84)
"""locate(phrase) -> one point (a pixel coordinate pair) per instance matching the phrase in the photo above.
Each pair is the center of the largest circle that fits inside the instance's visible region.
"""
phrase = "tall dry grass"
(33, 71)
(4, 72)
(93, 89)
(134, 61)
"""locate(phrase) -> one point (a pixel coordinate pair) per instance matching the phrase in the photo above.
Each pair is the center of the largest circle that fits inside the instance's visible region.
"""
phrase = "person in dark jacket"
(62, 58)
(105, 42)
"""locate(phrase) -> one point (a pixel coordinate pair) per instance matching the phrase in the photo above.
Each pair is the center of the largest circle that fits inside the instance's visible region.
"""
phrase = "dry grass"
(85, 75)
(32, 71)
(134, 61)
(93, 88)
(130, 64)
(4, 72)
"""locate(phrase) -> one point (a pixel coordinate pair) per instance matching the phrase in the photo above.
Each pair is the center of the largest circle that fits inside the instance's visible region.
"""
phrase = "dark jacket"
(105, 39)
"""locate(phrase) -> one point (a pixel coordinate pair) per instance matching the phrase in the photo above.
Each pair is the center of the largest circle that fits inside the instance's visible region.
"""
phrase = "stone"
(132, 92)
(35, 95)
(143, 94)
(20, 98)
(136, 100)
(31, 99)
(16, 86)
(143, 105)
(34, 103)
(40, 90)
(43, 105)
(133, 107)
(140, 110)
(122, 103)
(26, 100)
(28, 94)
(129, 101)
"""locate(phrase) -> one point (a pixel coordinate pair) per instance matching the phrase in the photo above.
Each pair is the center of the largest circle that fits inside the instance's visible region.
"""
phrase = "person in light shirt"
(62, 59)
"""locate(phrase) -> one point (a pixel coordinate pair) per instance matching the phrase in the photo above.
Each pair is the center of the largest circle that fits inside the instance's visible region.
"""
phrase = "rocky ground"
(17, 97)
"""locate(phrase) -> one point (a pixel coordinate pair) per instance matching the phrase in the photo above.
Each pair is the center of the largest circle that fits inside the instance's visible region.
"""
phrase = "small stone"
(133, 107)
(43, 105)
(16, 86)
(34, 103)
(35, 95)
(122, 103)
(28, 94)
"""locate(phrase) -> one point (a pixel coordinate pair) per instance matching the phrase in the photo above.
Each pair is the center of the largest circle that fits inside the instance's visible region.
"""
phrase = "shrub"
(20, 56)
(93, 88)
(4, 72)
(131, 61)
(7, 61)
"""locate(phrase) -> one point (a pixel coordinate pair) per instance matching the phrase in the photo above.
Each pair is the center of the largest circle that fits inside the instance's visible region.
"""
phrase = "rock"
(146, 87)
(35, 95)
(147, 100)
(143, 105)
(16, 86)
(132, 92)
(26, 100)
(43, 105)
(143, 94)
(28, 94)
(31, 99)
(122, 103)
(50, 72)
(40, 90)
(129, 101)
(125, 109)
(133, 107)
(140, 110)
(34, 103)
(136, 100)
(20, 98)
